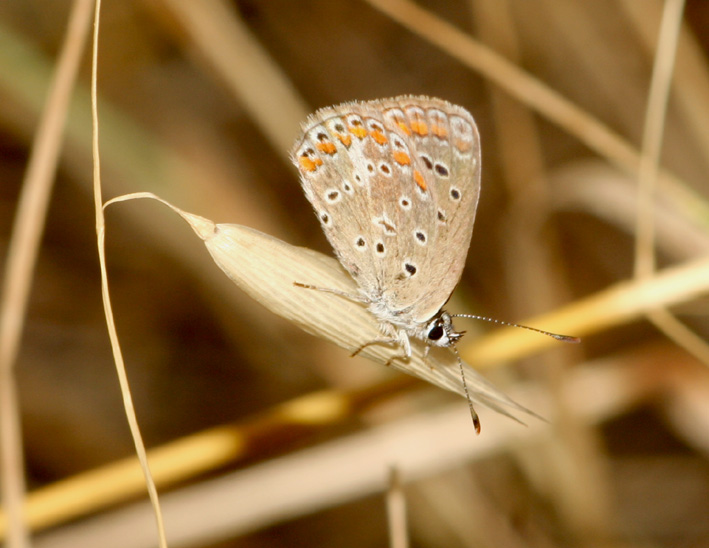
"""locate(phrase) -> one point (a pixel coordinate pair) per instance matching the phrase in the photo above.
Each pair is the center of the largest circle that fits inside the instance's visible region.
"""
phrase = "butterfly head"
(439, 331)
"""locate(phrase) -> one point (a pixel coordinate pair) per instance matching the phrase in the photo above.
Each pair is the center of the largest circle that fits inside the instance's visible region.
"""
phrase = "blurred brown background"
(199, 104)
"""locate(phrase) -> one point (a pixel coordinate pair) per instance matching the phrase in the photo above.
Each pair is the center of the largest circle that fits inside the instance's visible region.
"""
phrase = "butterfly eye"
(435, 333)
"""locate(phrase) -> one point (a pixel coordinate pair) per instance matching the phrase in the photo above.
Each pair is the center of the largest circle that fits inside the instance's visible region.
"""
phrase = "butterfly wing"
(336, 158)
(395, 184)
(445, 147)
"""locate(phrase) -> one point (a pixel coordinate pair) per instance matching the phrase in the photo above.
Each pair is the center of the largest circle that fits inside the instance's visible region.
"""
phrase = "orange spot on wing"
(403, 127)
(328, 147)
(379, 137)
(345, 139)
(419, 127)
(402, 158)
(462, 145)
(420, 180)
(309, 165)
(358, 131)
(439, 131)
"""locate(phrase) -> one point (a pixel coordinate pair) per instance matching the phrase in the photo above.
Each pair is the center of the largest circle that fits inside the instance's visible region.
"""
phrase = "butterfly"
(395, 184)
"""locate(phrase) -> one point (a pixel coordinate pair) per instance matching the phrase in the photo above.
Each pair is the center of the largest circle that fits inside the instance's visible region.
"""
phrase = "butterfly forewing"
(325, 155)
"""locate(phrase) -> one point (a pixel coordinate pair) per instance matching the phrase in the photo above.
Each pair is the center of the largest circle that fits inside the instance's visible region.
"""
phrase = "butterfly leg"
(405, 345)
(372, 342)
(426, 352)
(401, 340)
(350, 296)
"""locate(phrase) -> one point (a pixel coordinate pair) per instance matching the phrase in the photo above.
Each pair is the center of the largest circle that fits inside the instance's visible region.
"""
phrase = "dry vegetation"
(199, 102)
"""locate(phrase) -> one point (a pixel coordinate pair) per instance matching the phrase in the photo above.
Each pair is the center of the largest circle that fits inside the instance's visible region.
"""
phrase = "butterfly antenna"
(557, 336)
(473, 413)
